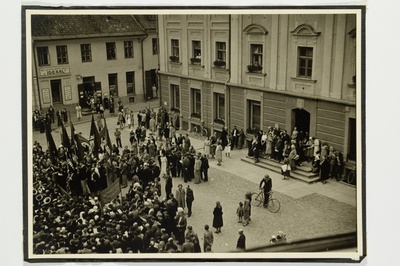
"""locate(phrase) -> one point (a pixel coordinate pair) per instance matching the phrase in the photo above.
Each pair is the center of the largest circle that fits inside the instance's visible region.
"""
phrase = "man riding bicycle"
(266, 186)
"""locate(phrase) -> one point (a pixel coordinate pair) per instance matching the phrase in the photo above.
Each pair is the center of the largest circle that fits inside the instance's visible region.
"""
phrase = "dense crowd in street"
(69, 216)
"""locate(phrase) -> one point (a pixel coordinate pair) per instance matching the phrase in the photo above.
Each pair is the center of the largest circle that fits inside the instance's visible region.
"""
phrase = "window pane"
(221, 106)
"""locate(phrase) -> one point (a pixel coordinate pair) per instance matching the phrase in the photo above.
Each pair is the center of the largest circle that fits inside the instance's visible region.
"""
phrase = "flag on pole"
(51, 146)
(107, 137)
(65, 139)
(97, 140)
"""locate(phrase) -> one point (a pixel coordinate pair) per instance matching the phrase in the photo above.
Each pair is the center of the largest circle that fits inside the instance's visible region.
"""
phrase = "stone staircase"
(301, 173)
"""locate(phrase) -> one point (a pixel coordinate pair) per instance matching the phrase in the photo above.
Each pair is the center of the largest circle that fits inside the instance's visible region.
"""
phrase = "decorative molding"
(256, 29)
(305, 30)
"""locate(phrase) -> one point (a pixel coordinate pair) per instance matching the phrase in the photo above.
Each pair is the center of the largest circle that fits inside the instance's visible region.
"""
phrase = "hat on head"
(180, 209)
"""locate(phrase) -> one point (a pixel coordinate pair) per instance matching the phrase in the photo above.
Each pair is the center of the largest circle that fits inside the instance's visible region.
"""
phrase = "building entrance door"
(301, 120)
(56, 91)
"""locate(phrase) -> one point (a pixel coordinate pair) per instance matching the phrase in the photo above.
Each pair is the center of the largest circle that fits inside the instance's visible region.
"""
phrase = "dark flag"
(80, 151)
(51, 146)
(65, 139)
(73, 145)
(107, 136)
(97, 140)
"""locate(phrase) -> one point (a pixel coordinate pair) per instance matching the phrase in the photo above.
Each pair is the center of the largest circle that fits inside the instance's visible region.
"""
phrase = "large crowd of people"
(70, 217)
(295, 150)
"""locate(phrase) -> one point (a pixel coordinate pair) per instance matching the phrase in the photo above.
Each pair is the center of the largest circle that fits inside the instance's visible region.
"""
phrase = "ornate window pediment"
(256, 29)
(305, 30)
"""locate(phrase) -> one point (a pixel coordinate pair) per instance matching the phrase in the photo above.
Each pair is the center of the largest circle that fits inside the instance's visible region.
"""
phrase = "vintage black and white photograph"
(226, 134)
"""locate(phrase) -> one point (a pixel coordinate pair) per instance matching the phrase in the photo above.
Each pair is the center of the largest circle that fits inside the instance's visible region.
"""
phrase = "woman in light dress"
(207, 145)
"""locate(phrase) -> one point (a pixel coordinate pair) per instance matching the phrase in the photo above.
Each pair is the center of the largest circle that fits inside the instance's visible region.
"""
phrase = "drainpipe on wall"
(158, 68)
(143, 71)
(228, 89)
(142, 56)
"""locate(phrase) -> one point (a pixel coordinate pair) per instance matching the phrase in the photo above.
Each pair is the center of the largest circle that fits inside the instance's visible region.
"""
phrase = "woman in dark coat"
(218, 221)
(325, 167)
(168, 185)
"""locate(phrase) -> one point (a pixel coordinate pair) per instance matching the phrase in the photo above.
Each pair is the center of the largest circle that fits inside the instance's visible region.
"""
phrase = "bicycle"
(257, 198)
(199, 131)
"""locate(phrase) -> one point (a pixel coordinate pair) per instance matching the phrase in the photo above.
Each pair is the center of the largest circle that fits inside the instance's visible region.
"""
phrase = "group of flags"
(74, 144)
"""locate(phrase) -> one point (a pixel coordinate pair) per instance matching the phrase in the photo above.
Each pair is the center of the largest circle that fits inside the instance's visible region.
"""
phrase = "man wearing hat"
(241, 242)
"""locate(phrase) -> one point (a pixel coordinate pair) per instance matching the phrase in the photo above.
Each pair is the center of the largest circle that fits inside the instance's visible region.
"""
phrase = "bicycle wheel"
(257, 199)
(350, 177)
(274, 205)
(205, 132)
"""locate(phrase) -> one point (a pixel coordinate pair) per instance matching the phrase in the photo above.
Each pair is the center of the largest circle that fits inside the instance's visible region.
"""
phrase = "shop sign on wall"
(67, 93)
(52, 71)
(46, 96)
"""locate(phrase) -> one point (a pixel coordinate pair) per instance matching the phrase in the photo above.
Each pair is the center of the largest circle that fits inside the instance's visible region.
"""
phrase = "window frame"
(154, 45)
(217, 104)
(251, 104)
(175, 97)
(219, 50)
(86, 52)
(62, 54)
(130, 74)
(128, 49)
(254, 54)
(110, 75)
(196, 48)
(307, 59)
(43, 55)
(196, 101)
(175, 48)
(111, 50)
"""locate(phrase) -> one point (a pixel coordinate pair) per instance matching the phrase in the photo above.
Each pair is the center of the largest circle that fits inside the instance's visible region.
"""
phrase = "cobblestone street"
(307, 211)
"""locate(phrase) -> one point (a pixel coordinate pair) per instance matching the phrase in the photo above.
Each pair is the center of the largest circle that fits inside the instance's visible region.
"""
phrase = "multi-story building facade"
(257, 71)
(79, 56)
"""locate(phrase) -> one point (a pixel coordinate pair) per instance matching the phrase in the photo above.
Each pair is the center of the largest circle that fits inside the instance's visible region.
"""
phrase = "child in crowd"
(240, 212)
(228, 149)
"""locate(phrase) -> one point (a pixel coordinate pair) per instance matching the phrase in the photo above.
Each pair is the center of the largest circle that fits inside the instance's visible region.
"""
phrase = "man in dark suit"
(204, 168)
(235, 137)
